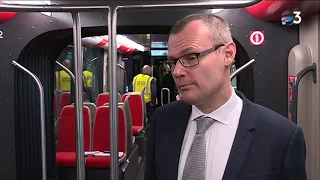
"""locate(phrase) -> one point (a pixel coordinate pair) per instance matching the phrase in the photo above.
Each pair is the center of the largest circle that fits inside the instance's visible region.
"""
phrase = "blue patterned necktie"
(194, 168)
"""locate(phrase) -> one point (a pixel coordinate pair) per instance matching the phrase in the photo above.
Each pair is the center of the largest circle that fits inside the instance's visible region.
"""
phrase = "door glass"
(234, 80)
(91, 72)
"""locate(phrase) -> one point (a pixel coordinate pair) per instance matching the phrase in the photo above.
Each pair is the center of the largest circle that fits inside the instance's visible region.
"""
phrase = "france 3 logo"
(291, 19)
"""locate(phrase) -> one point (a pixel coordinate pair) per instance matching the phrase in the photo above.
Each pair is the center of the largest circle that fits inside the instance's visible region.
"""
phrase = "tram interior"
(96, 96)
(43, 54)
(154, 54)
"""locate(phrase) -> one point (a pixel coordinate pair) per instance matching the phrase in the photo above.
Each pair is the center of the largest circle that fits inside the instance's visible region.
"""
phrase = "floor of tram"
(141, 174)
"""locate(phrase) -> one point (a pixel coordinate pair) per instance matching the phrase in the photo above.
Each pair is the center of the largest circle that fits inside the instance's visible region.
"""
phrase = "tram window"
(91, 75)
(139, 62)
(234, 80)
(91, 71)
(62, 79)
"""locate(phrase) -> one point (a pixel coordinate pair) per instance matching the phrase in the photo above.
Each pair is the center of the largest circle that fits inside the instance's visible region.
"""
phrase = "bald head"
(217, 28)
(67, 63)
(146, 69)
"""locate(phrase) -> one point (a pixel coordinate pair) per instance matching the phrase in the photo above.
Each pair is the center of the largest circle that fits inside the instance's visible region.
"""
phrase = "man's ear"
(229, 53)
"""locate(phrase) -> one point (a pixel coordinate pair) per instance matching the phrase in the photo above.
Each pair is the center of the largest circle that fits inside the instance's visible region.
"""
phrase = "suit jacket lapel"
(242, 140)
(179, 124)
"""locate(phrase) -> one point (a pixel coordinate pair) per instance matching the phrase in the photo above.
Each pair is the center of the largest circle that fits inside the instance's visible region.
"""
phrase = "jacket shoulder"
(175, 107)
(171, 110)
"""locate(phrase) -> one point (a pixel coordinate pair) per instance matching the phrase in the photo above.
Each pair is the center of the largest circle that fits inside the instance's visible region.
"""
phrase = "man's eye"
(191, 57)
(172, 61)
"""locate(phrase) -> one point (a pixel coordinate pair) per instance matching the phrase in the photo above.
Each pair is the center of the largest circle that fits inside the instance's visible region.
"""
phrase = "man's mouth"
(183, 86)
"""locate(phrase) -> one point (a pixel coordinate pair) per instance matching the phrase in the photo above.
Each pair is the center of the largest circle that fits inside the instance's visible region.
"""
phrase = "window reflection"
(234, 80)
(91, 60)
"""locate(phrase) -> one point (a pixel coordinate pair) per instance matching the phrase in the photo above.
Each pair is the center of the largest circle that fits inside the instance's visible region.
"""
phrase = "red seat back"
(136, 108)
(102, 99)
(67, 129)
(65, 99)
(101, 130)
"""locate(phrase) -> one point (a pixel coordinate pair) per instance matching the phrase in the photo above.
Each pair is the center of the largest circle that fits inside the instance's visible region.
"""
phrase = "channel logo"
(288, 20)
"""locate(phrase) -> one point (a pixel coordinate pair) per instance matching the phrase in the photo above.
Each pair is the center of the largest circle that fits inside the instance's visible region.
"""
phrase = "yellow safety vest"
(139, 82)
(63, 81)
(87, 78)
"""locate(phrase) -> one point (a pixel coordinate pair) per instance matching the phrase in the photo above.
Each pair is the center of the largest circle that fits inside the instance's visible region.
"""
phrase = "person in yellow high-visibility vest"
(87, 78)
(63, 79)
(88, 82)
(150, 94)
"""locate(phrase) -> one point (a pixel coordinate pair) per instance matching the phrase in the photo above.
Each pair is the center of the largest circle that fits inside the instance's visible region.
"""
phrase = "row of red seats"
(66, 156)
(62, 99)
(137, 108)
(104, 98)
(96, 130)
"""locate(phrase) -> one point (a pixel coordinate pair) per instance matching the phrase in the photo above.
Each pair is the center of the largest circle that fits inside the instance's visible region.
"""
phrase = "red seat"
(102, 99)
(66, 149)
(66, 159)
(137, 111)
(65, 99)
(101, 137)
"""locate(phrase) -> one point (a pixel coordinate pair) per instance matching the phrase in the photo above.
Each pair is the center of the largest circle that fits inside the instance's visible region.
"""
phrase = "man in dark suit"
(214, 132)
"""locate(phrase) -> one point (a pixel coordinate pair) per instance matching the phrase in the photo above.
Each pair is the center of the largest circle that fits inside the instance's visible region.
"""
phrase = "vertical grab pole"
(105, 72)
(112, 68)
(124, 78)
(42, 119)
(169, 95)
(67, 70)
(78, 63)
(162, 95)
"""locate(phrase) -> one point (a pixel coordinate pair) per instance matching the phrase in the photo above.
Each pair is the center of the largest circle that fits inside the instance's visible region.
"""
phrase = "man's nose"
(178, 70)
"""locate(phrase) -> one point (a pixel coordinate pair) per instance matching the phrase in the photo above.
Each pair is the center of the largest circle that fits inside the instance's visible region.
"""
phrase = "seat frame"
(141, 138)
(66, 173)
(128, 170)
(130, 167)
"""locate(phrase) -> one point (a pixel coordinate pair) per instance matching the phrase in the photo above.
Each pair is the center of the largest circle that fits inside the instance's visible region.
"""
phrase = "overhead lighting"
(129, 43)
(214, 11)
(121, 41)
(28, 2)
(234, 2)
(46, 13)
(31, 3)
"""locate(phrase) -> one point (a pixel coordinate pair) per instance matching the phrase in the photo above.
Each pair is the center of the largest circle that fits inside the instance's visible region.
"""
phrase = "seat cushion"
(101, 161)
(136, 129)
(66, 159)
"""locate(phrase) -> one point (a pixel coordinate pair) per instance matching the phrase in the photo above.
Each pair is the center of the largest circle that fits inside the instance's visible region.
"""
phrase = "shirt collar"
(222, 114)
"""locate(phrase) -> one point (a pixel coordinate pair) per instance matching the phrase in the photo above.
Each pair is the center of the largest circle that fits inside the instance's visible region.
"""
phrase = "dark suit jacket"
(267, 146)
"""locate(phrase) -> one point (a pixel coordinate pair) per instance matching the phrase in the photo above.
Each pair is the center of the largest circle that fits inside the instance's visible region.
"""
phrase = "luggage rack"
(112, 7)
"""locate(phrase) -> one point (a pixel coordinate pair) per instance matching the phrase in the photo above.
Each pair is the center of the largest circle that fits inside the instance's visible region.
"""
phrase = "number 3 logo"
(297, 17)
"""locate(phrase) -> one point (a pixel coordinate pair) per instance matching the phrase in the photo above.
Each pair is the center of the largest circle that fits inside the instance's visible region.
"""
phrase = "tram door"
(166, 89)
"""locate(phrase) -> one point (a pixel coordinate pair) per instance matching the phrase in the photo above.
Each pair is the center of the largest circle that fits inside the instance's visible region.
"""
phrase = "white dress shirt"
(219, 137)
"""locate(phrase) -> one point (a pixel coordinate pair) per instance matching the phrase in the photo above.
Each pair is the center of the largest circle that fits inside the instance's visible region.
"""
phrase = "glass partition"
(234, 80)
(91, 73)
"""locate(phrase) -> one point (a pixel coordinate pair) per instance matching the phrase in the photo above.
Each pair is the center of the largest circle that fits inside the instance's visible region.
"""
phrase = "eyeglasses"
(189, 60)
